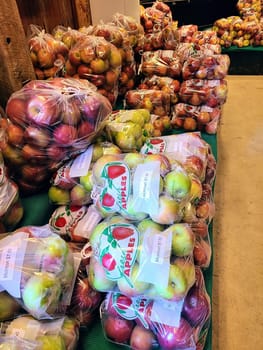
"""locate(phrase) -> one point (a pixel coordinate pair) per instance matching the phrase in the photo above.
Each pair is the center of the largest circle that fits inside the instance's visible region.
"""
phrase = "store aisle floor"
(238, 224)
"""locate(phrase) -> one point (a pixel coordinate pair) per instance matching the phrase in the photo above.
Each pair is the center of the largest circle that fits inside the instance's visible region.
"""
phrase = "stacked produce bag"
(242, 30)
(102, 132)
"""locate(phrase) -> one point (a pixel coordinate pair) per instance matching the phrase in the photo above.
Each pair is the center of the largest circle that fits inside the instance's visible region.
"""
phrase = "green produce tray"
(245, 60)
(37, 211)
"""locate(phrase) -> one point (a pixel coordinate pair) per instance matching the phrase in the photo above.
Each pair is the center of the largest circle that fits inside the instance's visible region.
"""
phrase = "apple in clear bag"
(177, 184)
(168, 212)
(196, 308)
(84, 297)
(36, 290)
(37, 136)
(177, 284)
(139, 287)
(65, 135)
(181, 337)
(142, 339)
(98, 279)
(16, 110)
(118, 329)
(183, 239)
(42, 110)
(15, 134)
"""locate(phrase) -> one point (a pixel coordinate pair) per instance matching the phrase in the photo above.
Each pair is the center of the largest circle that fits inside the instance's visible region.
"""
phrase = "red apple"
(70, 114)
(16, 110)
(171, 338)
(118, 329)
(65, 135)
(196, 308)
(202, 253)
(42, 110)
(34, 154)
(85, 129)
(142, 339)
(56, 152)
(15, 134)
(34, 173)
(84, 296)
(37, 136)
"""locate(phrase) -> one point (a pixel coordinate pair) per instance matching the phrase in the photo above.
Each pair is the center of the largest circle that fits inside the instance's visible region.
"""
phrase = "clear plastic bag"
(143, 259)
(47, 53)
(132, 321)
(37, 270)
(50, 121)
(61, 334)
(98, 61)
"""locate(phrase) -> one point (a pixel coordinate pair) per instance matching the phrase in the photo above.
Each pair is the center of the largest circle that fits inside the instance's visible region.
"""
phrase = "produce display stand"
(245, 60)
(37, 210)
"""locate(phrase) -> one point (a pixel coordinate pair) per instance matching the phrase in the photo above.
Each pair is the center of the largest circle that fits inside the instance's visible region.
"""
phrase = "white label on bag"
(159, 249)
(12, 253)
(81, 164)
(167, 312)
(7, 263)
(146, 183)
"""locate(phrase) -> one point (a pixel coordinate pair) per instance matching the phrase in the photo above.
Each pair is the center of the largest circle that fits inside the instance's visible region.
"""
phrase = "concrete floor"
(238, 225)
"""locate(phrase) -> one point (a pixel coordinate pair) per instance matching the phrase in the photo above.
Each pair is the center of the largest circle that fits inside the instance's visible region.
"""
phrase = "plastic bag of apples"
(26, 332)
(118, 36)
(197, 159)
(85, 300)
(72, 182)
(11, 209)
(202, 118)
(37, 269)
(47, 53)
(49, 122)
(141, 322)
(138, 186)
(98, 61)
(142, 258)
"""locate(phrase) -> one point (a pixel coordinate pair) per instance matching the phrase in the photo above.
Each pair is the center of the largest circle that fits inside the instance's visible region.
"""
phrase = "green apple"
(51, 341)
(188, 268)
(169, 211)
(177, 285)
(196, 189)
(41, 294)
(97, 277)
(79, 195)
(86, 181)
(177, 184)
(132, 159)
(183, 239)
(148, 224)
(139, 287)
(58, 195)
(132, 214)
(94, 239)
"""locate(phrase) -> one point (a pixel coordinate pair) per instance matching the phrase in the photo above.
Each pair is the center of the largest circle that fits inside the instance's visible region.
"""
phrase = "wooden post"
(15, 63)
(82, 13)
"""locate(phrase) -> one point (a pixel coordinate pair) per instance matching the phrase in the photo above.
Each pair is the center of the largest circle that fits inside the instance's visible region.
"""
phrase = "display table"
(245, 60)
(37, 211)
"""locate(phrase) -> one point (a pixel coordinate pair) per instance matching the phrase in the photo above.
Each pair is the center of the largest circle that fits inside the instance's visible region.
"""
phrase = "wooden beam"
(16, 66)
(82, 13)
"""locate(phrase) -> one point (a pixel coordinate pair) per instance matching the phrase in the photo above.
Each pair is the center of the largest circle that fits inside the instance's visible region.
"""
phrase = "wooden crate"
(15, 17)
